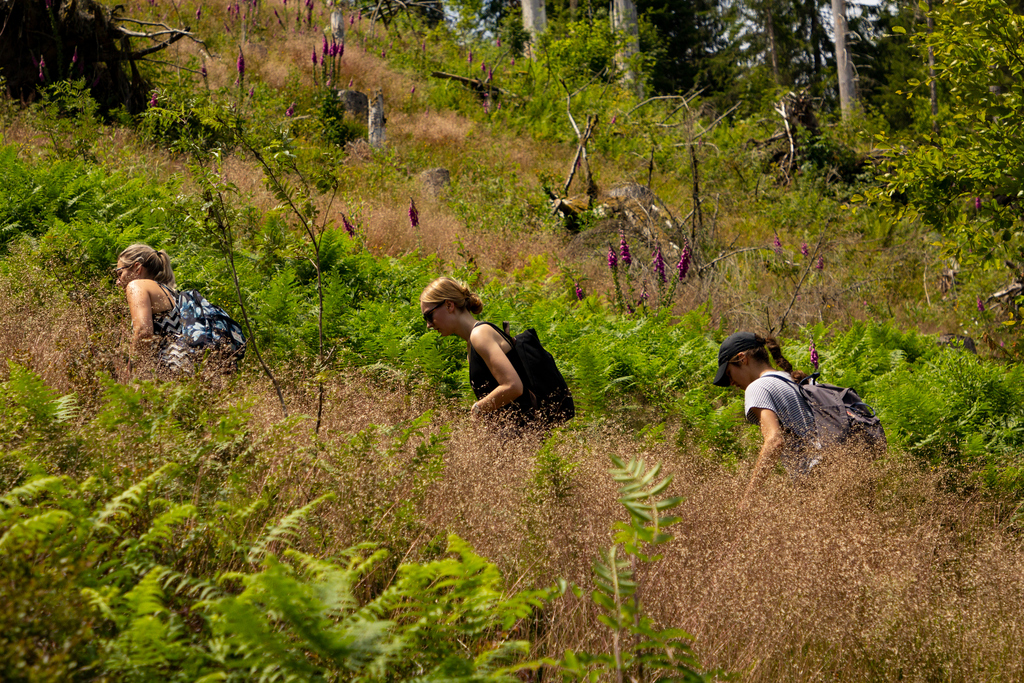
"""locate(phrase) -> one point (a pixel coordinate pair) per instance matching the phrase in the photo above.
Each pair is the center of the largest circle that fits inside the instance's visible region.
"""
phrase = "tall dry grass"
(869, 571)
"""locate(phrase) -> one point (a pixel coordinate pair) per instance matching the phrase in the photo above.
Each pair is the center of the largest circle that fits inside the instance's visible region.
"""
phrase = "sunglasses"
(117, 271)
(429, 315)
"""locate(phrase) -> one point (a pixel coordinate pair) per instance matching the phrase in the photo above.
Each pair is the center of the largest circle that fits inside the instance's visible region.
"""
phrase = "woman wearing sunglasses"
(449, 308)
(147, 279)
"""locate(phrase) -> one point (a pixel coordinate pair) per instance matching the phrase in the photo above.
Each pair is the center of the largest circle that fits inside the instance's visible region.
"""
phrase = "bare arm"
(140, 305)
(487, 343)
(770, 452)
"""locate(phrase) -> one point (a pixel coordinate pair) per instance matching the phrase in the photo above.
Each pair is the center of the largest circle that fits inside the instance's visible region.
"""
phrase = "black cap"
(734, 343)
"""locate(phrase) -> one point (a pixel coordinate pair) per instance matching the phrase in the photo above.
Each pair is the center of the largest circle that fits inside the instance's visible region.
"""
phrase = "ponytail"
(769, 344)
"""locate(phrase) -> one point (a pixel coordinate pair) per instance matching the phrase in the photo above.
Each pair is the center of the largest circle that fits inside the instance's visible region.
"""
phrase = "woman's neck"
(464, 324)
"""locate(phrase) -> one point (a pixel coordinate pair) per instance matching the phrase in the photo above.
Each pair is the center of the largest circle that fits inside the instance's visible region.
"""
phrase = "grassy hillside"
(363, 526)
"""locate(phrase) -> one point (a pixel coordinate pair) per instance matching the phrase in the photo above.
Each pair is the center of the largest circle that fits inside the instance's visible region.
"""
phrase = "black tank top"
(483, 381)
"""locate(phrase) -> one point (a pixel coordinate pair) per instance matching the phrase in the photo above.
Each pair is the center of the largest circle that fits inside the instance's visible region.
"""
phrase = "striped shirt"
(783, 398)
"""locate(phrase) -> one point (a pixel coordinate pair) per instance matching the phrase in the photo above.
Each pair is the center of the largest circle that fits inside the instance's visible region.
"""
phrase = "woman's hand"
(487, 343)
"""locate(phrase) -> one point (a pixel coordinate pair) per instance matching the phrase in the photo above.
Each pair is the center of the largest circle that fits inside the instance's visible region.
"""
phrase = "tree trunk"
(377, 119)
(844, 67)
(773, 54)
(624, 21)
(337, 25)
(933, 87)
(535, 18)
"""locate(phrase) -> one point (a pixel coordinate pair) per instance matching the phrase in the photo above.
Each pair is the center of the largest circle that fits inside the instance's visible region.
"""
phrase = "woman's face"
(125, 272)
(438, 316)
(741, 371)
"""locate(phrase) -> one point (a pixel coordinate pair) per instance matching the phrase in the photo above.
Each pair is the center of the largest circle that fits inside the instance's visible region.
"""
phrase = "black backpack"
(839, 413)
(550, 399)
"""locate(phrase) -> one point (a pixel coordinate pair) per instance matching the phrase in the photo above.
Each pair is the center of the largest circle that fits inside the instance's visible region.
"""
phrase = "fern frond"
(26, 534)
(32, 490)
(128, 500)
(287, 528)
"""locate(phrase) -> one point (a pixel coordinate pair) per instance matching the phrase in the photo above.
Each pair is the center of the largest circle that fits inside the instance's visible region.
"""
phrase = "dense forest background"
(636, 182)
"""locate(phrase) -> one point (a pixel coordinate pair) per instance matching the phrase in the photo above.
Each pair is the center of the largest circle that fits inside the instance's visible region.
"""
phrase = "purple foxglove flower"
(314, 57)
(643, 296)
(498, 108)
(820, 265)
(777, 244)
(579, 292)
(42, 65)
(629, 309)
(414, 215)
(614, 119)
(241, 64)
(328, 83)
(513, 61)
(74, 57)
(350, 82)
(49, 4)
(199, 12)
(613, 258)
(252, 91)
(977, 203)
(490, 74)
(470, 56)
(383, 52)
(349, 228)
(202, 71)
(483, 66)
(351, 20)
(152, 103)
(624, 251)
(814, 355)
(684, 262)
(804, 250)
(498, 42)
(290, 110)
(412, 91)
(659, 264)
(981, 305)
(280, 23)
(326, 47)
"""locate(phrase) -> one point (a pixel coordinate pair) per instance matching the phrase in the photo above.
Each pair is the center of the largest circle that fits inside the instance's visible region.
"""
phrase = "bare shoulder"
(484, 335)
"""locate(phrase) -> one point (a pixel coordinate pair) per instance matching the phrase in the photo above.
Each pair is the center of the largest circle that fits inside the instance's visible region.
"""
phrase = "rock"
(632, 191)
(355, 103)
(958, 341)
(434, 180)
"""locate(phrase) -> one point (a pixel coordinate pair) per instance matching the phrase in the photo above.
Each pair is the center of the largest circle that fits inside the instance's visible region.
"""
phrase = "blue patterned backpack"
(199, 326)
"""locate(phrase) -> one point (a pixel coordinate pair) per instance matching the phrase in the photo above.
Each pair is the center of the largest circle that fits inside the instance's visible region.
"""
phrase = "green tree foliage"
(965, 180)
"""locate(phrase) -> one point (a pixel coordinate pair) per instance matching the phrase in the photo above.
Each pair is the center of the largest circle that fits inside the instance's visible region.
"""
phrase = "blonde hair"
(156, 263)
(446, 289)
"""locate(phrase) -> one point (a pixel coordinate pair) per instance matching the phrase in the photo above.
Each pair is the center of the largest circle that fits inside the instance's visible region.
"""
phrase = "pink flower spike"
(414, 215)
(977, 203)
(412, 91)
(74, 57)
(981, 305)
(199, 12)
(290, 110)
(152, 103)
(241, 64)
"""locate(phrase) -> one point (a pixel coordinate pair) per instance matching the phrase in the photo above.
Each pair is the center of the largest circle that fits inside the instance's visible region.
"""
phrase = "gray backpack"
(839, 413)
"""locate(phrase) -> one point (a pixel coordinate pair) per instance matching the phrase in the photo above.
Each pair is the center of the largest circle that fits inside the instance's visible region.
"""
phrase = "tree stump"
(77, 39)
(377, 119)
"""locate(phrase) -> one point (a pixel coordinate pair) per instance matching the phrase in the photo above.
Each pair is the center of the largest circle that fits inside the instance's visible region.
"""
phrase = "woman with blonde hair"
(147, 279)
(495, 370)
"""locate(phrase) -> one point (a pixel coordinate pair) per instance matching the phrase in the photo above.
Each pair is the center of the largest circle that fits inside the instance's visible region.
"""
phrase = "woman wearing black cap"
(771, 400)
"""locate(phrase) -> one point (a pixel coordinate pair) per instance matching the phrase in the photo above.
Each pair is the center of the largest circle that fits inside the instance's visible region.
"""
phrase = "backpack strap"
(171, 296)
(528, 382)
